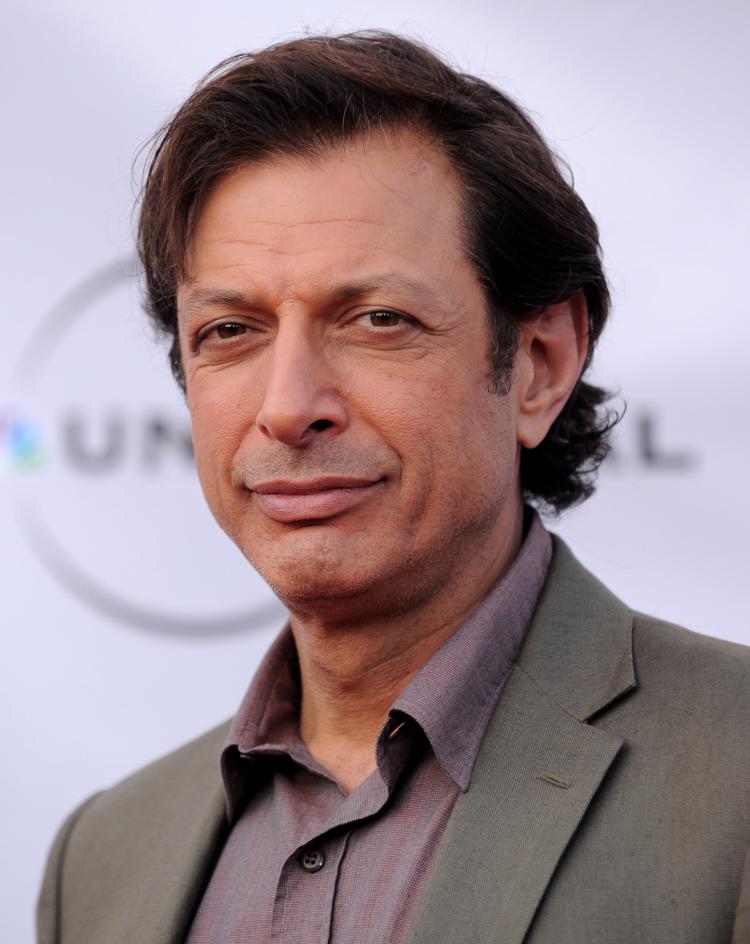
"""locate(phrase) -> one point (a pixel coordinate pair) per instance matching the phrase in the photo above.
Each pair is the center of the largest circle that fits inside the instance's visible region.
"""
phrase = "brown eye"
(384, 319)
(229, 329)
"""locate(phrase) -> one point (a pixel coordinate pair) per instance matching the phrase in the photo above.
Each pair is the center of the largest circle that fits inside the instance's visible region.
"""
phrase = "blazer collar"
(579, 647)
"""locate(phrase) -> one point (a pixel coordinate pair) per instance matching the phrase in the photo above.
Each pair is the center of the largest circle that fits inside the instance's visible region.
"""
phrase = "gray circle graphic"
(48, 550)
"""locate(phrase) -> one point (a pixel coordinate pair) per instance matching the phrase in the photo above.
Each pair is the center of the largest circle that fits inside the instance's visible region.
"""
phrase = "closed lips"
(313, 500)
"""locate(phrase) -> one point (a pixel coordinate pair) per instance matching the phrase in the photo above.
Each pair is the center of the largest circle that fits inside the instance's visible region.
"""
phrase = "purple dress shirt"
(305, 862)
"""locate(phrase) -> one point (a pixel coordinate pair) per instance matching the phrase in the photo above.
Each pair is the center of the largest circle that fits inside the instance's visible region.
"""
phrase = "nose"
(300, 399)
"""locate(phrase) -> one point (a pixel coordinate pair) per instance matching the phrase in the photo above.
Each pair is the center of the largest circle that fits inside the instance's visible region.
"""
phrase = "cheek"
(454, 438)
(475, 452)
(220, 418)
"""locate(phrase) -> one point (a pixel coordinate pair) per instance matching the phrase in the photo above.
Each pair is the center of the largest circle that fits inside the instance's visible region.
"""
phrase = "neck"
(352, 669)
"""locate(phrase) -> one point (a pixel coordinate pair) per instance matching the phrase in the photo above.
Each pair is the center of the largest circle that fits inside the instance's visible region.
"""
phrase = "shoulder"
(600, 660)
(195, 757)
(181, 778)
(110, 841)
(114, 848)
(194, 765)
(682, 670)
(685, 724)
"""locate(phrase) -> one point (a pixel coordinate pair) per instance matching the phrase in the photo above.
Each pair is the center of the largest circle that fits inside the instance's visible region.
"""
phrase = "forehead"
(387, 200)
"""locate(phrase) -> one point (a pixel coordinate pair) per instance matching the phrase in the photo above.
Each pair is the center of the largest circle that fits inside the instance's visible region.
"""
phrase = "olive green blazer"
(610, 803)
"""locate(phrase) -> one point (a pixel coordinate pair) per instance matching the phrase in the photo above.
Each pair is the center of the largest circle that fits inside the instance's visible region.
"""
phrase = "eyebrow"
(199, 298)
(210, 298)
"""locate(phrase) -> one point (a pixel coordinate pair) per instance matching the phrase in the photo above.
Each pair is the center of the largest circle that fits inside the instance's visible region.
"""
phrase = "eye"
(229, 329)
(384, 319)
(223, 331)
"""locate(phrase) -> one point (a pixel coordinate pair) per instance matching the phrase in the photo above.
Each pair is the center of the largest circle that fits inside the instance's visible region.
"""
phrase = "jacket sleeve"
(50, 893)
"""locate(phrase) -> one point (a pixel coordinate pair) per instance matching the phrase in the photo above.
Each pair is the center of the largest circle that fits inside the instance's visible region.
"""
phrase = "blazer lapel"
(538, 769)
(534, 778)
(169, 899)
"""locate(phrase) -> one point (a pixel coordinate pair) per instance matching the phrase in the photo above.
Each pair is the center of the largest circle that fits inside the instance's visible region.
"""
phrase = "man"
(381, 295)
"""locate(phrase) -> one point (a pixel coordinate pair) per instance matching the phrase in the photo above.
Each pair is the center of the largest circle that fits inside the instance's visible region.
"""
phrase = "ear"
(549, 360)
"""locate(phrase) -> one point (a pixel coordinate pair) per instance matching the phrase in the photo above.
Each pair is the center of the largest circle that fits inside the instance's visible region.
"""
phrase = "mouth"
(313, 500)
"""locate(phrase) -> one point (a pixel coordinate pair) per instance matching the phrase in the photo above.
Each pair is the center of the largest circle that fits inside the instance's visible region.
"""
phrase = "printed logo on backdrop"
(96, 444)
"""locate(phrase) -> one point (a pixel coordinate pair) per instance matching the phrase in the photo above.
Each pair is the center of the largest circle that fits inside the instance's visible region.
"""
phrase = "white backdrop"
(129, 622)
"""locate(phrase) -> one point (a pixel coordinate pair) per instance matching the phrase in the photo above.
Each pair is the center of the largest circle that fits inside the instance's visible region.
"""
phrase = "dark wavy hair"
(529, 235)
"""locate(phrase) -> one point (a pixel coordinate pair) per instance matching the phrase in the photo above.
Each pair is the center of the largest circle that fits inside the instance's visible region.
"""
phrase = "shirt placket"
(303, 905)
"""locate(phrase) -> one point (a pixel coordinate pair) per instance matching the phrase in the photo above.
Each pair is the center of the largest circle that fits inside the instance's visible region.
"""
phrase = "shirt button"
(313, 860)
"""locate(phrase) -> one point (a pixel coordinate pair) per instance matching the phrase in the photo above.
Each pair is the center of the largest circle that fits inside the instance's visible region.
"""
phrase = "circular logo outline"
(46, 548)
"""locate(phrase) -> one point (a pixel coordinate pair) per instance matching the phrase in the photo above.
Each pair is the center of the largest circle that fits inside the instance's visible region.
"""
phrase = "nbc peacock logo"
(21, 443)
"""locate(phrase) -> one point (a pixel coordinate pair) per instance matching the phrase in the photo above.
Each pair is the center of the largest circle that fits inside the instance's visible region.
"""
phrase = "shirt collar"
(451, 698)
(270, 709)
(455, 693)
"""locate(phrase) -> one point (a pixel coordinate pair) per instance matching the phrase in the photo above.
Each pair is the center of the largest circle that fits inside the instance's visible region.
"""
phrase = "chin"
(306, 570)
(314, 591)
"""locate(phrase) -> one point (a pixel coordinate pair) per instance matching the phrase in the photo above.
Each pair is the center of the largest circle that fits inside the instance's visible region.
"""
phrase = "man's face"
(335, 347)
